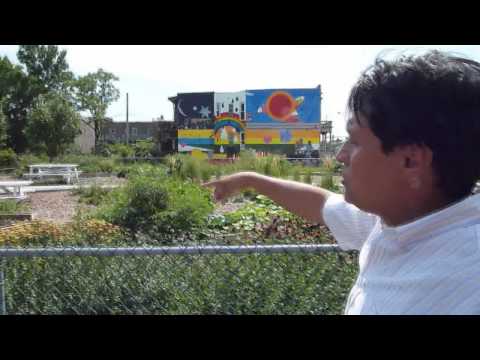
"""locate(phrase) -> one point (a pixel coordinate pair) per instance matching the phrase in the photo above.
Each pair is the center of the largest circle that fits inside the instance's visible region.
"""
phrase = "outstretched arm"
(301, 199)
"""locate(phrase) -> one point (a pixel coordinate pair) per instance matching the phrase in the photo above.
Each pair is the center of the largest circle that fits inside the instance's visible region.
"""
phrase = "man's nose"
(341, 154)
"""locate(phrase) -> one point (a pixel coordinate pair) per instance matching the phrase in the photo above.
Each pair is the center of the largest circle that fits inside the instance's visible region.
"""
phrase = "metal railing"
(267, 279)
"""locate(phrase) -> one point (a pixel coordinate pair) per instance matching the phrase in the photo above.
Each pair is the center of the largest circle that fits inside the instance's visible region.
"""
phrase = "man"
(410, 165)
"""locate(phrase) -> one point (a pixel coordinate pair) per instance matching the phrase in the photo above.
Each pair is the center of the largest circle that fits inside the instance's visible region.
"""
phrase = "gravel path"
(56, 206)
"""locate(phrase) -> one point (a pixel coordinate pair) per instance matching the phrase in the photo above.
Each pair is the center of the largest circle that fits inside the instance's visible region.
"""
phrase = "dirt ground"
(56, 206)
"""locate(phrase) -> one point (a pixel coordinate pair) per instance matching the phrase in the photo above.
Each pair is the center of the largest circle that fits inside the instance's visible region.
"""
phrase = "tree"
(3, 126)
(48, 66)
(53, 124)
(18, 92)
(94, 93)
(46, 70)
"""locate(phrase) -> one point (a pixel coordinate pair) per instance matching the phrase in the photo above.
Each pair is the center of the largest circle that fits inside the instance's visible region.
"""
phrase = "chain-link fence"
(268, 279)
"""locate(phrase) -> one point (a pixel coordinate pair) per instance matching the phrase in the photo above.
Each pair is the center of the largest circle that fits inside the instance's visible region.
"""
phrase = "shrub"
(206, 172)
(8, 158)
(157, 206)
(191, 169)
(307, 177)
(174, 164)
(119, 149)
(144, 148)
(92, 195)
(188, 208)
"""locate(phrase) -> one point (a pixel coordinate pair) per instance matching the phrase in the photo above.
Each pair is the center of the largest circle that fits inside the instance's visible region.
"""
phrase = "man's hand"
(228, 186)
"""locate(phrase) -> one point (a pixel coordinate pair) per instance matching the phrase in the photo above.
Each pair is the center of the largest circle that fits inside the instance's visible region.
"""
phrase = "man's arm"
(301, 199)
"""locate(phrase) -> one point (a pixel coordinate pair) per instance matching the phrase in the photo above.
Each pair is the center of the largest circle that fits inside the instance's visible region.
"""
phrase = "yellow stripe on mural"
(197, 133)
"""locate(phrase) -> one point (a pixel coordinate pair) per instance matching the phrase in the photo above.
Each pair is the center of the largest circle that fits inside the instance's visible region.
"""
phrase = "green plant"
(9, 206)
(158, 206)
(8, 158)
(218, 172)
(307, 177)
(191, 169)
(92, 195)
(174, 164)
(119, 149)
(328, 183)
(296, 173)
(206, 172)
(144, 148)
(330, 164)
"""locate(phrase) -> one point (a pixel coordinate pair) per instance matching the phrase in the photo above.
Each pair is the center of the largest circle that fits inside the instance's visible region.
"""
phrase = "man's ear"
(416, 157)
(416, 161)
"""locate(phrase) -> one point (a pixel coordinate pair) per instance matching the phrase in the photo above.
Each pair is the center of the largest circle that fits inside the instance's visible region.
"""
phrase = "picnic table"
(66, 171)
(13, 189)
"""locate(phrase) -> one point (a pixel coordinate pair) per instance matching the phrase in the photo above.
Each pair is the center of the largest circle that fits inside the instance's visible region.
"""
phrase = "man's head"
(420, 116)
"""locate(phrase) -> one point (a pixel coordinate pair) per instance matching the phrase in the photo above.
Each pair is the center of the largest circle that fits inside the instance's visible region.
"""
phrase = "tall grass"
(9, 206)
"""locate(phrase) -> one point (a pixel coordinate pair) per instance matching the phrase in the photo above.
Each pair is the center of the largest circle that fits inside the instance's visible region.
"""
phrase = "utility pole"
(127, 130)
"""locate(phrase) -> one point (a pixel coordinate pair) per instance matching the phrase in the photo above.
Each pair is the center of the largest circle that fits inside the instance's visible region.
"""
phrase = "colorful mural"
(282, 121)
(281, 136)
(193, 110)
(230, 102)
(283, 106)
(195, 139)
(227, 130)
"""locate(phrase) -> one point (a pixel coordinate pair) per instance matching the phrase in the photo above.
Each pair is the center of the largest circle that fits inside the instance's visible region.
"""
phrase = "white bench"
(65, 171)
(13, 189)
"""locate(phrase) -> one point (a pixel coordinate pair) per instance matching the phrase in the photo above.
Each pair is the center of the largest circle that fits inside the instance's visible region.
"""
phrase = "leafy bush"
(190, 169)
(92, 195)
(174, 164)
(206, 172)
(119, 149)
(92, 163)
(144, 148)
(157, 206)
(8, 158)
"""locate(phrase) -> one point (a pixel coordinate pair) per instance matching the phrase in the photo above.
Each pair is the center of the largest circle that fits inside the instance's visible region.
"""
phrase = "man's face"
(372, 179)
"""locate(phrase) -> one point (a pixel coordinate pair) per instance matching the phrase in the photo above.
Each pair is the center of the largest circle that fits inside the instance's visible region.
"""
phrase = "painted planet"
(280, 105)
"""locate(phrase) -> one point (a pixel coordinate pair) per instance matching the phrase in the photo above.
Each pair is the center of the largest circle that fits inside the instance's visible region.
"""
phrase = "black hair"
(429, 100)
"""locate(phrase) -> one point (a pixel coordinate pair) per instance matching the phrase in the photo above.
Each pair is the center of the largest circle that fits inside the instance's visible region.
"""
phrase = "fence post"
(3, 306)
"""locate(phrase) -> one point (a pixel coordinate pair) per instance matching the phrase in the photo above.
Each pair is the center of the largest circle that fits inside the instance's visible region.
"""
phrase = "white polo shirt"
(428, 266)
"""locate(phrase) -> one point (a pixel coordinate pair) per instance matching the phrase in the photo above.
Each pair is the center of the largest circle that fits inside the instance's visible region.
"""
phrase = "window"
(112, 131)
(134, 131)
(242, 111)
(218, 108)
(230, 108)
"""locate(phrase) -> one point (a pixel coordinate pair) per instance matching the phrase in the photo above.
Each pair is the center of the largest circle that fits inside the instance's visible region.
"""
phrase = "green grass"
(8, 206)
(169, 284)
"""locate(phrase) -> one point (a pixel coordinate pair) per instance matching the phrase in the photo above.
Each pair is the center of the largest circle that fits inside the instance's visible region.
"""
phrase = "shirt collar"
(459, 214)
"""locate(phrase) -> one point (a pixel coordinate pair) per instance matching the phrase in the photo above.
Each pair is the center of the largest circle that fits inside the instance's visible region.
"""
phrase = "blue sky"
(152, 73)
